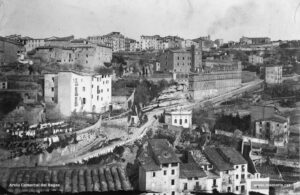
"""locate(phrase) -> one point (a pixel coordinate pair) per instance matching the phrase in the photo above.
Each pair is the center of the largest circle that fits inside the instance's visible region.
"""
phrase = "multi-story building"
(34, 43)
(89, 56)
(219, 42)
(159, 168)
(254, 40)
(255, 59)
(230, 165)
(78, 92)
(215, 79)
(117, 41)
(216, 168)
(273, 74)
(9, 50)
(188, 43)
(3, 82)
(130, 44)
(274, 129)
(181, 118)
(181, 61)
(150, 42)
(102, 40)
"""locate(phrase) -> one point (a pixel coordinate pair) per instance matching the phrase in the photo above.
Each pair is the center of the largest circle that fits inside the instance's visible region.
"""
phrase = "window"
(86, 61)
(165, 165)
(52, 88)
(83, 100)
(97, 97)
(52, 99)
(237, 188)
(228, 189)
(175, 121)
(153, 174)
(83, 88)
(101, 98)
(173, 193)
(172, 182)
(214, 182)
(242, 189)
(173, 172)
(226, 172)
(237, 176)
(165, 172)
(243, 176)
(107, 90)
(180, 121)
(185, 120)
(174, 164)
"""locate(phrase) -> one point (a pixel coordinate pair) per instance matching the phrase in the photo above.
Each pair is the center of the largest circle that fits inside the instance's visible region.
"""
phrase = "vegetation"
(231, 123)
(8, 102)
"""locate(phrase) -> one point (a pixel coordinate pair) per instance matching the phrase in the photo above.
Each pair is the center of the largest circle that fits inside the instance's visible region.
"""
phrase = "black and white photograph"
(150, 97)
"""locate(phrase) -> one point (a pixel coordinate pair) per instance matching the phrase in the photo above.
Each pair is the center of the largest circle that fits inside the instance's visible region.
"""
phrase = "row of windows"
(165, 173)
(180, 121)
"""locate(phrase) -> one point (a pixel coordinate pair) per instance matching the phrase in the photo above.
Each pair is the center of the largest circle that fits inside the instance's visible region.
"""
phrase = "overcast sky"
(227, 19)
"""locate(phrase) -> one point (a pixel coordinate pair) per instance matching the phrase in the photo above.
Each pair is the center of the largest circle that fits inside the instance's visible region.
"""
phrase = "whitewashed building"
(255, 59)
(179, 118)
(79, 92)
(273, 75)
(34, 43)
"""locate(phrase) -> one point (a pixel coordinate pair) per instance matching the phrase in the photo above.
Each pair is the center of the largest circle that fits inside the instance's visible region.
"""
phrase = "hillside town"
(164, 115)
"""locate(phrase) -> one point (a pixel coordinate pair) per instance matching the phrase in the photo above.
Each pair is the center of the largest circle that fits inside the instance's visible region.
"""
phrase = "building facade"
(216, 168)
(274, 129)
(181, 61)
(255, 59)
(9, 50)
(89, 56)
(254, 40)
(179, 118)
(78, 92)
(273, 74)
(215, 80)
(34, 43)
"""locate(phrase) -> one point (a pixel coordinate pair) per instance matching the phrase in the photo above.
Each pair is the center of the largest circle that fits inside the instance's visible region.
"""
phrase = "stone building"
(273, 74)
(254, 40)
(214, 80)
(9, 50)
(274, 129)
(181, 61)
(89, 56)
(34, 43)
(79, 92)
(255, 59)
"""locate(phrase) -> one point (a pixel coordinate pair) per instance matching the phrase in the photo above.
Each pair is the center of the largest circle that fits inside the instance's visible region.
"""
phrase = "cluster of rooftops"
(160, 152)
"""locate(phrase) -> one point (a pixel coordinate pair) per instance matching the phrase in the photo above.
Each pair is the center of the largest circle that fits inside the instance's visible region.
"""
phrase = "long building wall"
(206, 85)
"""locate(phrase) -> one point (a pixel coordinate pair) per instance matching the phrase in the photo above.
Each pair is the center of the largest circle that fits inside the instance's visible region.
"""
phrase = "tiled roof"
(223, 158)
(163, 152)
(65, 179)
(234, 156)
(216, 159)
(267, 170)
(189, 170)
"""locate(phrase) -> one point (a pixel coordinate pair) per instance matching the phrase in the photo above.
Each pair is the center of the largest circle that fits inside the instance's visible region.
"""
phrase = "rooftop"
(223, 158)
(190, 170)
(163, 152)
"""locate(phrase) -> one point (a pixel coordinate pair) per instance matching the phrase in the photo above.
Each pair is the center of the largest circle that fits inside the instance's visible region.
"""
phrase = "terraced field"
(65, 179)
